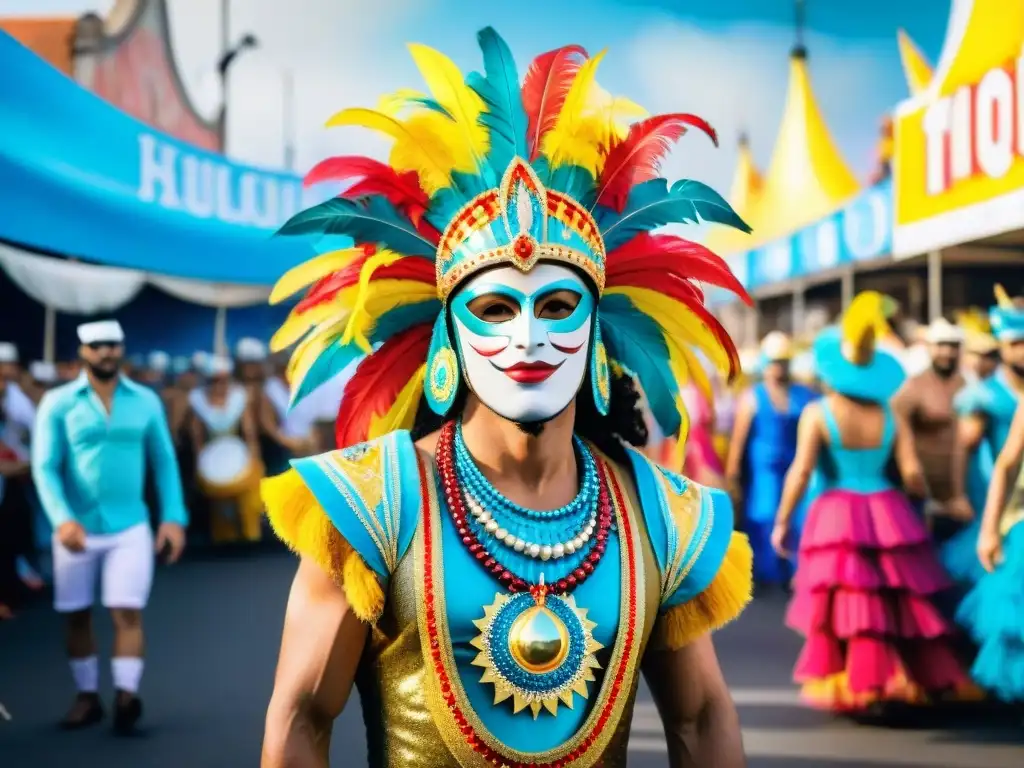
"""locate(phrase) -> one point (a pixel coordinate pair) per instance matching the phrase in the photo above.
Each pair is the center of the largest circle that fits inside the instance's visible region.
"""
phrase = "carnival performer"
(992, 612)
(986, 410)
(93, 440)
(226, 445)
(925, 403)
(761, 450)
(517, 557)
(867, 573)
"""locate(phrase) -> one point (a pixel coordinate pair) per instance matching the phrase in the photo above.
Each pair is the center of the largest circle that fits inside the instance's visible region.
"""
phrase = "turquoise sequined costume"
(499, 635)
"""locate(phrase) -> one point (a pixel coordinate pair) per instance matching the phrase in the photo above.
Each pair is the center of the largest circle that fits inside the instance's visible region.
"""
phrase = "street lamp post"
(229, 54)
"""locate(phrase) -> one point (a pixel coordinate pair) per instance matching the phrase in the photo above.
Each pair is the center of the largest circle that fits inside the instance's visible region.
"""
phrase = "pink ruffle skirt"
(862, 598)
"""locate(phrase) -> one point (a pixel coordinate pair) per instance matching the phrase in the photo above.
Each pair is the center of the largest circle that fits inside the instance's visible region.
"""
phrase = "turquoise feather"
(505, 117)
(328, 364)
(654, 204)
(636, 342)
(367, 220)
(336, 357)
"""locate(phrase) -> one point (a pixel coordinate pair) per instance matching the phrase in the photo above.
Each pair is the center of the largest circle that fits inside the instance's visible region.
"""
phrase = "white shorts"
(125, 560)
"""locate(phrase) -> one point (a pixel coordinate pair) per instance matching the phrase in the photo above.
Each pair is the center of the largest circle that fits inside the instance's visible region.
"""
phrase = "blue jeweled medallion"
(537, 650)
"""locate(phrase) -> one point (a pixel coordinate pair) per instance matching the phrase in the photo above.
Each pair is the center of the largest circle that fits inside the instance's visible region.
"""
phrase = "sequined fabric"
(391, 680)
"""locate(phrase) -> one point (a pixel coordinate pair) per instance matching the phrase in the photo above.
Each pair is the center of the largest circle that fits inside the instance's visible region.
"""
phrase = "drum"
(225, 466)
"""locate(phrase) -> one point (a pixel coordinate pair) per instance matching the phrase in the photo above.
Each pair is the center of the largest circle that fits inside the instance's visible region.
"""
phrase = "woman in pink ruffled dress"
(867, 574)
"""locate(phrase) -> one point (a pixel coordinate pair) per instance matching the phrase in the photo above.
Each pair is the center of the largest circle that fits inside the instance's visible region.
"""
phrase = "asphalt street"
(213, 627)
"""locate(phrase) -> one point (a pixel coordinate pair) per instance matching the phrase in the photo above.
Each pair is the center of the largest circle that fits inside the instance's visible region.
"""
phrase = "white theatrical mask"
(524, 339)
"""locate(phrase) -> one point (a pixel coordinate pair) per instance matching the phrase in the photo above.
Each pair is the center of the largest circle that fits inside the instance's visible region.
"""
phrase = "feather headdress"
(484, 170)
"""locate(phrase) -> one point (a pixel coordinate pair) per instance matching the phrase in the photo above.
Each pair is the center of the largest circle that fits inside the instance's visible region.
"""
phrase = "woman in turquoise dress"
(993, 611)
(761, 451)
(867, 576)
(986, 409)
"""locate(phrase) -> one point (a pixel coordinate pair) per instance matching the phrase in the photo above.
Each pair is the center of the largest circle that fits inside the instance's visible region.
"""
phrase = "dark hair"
(624, 422)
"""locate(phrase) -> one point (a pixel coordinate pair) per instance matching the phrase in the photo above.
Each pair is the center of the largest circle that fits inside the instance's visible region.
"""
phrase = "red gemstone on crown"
(522, 247)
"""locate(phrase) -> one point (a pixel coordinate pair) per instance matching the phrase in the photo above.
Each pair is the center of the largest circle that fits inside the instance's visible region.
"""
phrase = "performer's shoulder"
(368, 493)
(977, 397)
(57, 400)
(690, 526)
(706, 568)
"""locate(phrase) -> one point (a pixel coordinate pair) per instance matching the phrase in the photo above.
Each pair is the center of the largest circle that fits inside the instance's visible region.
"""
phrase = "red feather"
(374, 178)
(637, 158)
(377, 382)
(672, 254)
(406, 268)
(545, 88)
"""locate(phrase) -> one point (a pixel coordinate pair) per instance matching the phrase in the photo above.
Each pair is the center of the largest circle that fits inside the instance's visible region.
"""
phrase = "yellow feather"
(403, 412)
(449, 89)
(451, 150)
(298, 324)
(307, 273)
(868, 312)
(394, 104)
(1003, 300)
(973, 320)
(310, 348)
(416, 147)
(568, 143)
(360, 319)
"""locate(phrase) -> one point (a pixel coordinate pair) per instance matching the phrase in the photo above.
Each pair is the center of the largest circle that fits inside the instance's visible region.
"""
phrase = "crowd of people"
(229, 423)
(875, 474)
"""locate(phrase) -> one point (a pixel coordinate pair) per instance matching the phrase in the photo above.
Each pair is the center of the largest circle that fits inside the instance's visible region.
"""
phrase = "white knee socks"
(127, 673)
(86, 673)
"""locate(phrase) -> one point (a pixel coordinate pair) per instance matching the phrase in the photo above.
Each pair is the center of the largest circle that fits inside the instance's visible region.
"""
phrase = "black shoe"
(85, 711)
(127, 711)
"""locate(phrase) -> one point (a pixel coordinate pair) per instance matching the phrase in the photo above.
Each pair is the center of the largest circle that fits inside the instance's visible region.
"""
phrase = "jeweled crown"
(519, 223)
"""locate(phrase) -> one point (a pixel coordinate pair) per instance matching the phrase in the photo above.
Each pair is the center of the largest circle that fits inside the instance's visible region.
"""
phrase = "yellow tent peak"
(916, 68)
(747, 182)
(807, 178)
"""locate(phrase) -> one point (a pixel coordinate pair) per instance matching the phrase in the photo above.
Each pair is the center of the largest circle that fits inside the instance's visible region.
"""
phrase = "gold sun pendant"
(536, 649)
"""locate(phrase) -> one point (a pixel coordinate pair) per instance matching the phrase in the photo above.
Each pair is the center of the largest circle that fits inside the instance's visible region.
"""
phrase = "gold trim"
(682, 525)
(506, 255)
(621, 656)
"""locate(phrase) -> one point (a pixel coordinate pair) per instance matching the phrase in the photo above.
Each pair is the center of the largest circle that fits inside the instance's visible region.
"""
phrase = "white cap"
(750, 361)
(8, 352)
(941, 331)
(108, 331)
(218, 365)
(776, 346)
(158, 361)
(43, 371)
(200, 360)
(250, 350)
(181, 364)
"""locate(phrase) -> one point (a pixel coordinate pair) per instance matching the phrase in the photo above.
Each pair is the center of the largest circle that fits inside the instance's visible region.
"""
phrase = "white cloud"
(736, 79)
(339, 53)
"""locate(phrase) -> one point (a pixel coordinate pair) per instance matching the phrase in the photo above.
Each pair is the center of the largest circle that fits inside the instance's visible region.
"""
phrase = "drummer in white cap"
(91, 487)
(926, 402)
(225, 439)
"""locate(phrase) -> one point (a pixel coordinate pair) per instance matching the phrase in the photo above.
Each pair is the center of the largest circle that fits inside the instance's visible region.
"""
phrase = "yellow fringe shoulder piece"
(723, 600)
(301, 523)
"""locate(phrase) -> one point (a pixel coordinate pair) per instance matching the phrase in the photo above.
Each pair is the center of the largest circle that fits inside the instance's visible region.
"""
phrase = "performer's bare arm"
(745, 412)
(1005, 471)
(701, 724)
(320, 648)
(808, 444)
(970, 430)
(907, 461)
(197, 431)
(250, 431)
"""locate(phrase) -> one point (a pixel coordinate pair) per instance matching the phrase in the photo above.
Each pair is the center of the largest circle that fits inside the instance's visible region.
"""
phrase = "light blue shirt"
(90, 466)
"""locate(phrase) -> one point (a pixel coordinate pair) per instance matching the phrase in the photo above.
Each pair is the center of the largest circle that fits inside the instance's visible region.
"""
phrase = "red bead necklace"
(457, 508)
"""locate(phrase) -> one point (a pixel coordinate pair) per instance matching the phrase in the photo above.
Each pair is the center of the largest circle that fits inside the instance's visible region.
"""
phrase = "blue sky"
(723, 59)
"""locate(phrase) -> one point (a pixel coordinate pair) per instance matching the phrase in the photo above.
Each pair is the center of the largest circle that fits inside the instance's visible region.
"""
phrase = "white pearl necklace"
(537, 551)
